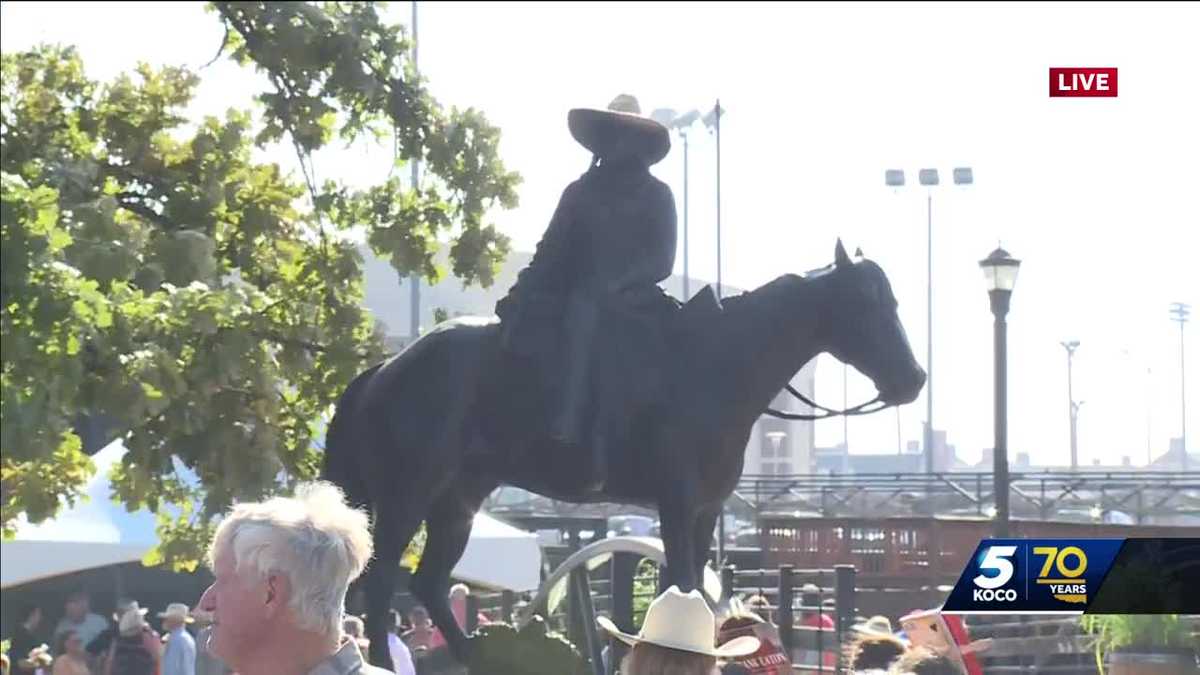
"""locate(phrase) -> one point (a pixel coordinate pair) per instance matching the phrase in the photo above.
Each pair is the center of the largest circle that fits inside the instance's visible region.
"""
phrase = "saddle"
(634, 349)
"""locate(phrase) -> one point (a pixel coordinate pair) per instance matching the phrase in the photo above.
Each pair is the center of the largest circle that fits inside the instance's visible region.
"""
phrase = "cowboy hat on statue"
(679, 627)
(619, 131)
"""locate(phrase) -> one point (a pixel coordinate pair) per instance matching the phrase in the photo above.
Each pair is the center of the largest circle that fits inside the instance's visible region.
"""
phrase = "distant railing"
(1045, 495)
(930, 550)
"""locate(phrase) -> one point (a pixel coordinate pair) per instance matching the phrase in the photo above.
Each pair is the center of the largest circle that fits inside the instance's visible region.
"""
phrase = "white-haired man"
(282, 569)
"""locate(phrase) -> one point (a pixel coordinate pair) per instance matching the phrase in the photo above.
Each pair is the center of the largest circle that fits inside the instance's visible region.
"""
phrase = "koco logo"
(990, 588)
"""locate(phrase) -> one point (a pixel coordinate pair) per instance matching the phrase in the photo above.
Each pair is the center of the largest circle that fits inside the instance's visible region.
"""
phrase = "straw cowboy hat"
(132, 621)
(124, 605)
(621, 126)
(177, 610)
(876, 625)
(682, 621)
(39, 656)
(202, 616)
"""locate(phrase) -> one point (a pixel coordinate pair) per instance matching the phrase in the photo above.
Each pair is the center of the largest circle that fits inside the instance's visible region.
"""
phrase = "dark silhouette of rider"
(610, 242)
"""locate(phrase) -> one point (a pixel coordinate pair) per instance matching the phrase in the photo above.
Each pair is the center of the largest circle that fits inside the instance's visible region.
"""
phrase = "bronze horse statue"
(430, 433)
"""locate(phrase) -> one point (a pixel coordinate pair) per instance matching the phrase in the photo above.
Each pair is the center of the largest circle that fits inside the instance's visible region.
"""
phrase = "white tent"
(98, 532)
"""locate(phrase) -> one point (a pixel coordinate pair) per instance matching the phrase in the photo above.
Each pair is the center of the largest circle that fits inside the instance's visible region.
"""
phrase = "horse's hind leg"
(448, 527)
(395, 524)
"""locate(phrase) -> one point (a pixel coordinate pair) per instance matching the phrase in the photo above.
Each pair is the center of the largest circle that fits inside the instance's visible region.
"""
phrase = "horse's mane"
(767, 294)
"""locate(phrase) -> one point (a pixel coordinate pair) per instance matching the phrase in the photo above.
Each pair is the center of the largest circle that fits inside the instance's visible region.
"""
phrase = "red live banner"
(1089, 82)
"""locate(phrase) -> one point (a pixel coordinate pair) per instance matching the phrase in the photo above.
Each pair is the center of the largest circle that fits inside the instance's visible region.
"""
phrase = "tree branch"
(220, 49)
(303, 344)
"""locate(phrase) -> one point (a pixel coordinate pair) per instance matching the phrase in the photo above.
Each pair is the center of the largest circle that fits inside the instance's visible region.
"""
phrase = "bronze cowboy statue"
(610, 242)
(581, 353)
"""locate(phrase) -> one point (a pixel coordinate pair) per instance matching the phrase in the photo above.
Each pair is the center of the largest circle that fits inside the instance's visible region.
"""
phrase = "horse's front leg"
(678, 512)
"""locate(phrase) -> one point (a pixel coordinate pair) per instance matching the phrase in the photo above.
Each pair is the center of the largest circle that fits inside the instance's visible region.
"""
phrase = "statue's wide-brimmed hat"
(620, 129)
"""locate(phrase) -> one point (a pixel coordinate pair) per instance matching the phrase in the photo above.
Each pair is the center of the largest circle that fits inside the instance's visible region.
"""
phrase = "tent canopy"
(98, 532)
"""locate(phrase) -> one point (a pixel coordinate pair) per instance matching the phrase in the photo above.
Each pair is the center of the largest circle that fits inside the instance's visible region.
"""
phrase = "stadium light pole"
(929, 178)
(681, 124)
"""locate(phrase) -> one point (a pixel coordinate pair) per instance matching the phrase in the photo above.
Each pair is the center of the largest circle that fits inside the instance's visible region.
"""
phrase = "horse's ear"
(839, 255)
(858, 252)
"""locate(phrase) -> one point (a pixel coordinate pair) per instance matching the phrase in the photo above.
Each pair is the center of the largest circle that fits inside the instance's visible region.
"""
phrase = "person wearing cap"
(100, 648)
(610, 242)
(137, 649)
(678, 637)
(179, 657)
(282, 568)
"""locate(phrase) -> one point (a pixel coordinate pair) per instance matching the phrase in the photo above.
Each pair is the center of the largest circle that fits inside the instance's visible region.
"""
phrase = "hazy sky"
(1097, 197)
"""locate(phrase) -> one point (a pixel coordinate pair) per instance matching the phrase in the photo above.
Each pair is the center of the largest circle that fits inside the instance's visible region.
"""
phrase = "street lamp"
(1000, 272)
(1073, 409)
(1180, 312)
(672, 120)
(963, 175)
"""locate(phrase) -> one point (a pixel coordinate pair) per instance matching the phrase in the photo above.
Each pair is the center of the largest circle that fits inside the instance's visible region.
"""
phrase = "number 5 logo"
(996, 558)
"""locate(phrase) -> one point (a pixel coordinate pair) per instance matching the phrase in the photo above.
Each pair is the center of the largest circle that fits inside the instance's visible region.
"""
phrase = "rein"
(861, 409)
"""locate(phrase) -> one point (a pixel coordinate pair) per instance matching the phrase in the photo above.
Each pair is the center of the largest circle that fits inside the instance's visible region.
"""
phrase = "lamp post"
(1180, 312)
(681, 124)
(963, 175)
(1000, 272)
(1073, 408)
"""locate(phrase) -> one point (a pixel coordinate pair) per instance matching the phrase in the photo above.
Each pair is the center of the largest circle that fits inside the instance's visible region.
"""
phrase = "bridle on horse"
(861, 409)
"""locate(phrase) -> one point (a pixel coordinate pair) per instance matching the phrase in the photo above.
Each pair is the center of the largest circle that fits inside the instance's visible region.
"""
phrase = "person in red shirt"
(810, 597)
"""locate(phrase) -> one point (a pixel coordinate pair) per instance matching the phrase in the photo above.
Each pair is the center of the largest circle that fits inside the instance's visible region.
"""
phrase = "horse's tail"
(340, 467)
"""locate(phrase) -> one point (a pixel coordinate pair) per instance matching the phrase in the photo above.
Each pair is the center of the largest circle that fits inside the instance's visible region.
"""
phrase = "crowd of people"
(277, 606)
(86, 643)
(681, 636)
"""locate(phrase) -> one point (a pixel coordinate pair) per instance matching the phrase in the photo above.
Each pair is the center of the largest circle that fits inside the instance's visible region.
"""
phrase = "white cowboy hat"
(602, 131)
(876, 625)
(201, 615)
(132, 621)
(177, 610)
(124, 605)
(682, 621)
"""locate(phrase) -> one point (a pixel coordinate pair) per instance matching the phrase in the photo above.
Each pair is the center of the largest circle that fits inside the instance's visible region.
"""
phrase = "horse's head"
(861, 328)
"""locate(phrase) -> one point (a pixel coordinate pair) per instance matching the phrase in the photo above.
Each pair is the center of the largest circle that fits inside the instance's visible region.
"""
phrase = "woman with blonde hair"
(678, 637)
